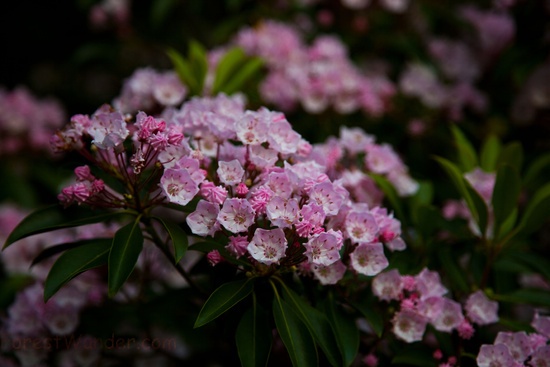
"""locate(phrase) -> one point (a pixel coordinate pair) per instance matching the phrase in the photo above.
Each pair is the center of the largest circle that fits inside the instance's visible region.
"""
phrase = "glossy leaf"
(535, 297)
(481, 210)
(466, 154)
(511, 154)
(223, 299)
(75, 261)
(536, 263)
(127, 245)
(177, 235)
(226, 67)
(245, 73)
(345, 329)
(489, 153)
(56, 217)
(505, 194)
(62, 247)
(254, 337)
(317, 323)
(294, 334)
(536, 169)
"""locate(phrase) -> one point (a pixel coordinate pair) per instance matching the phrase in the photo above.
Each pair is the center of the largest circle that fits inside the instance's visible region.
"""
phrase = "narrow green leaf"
(178, 236)
(453, 270)
(536, 212)
(536, 168)
(57, 249)
(75, 261)
(480, 209)
(536, 263)
(489, 153)
(226, 67)
(127, 245)
(254, 337)
(224, 298)
(460, 184)
(511, 154)
(535, 297)
(345, 330)
(317, 324)
(199, 63)
(427, 220)
(373, 317)
(505, 194)
(466, 154)
(184, 70)
(243, 75)
(294, 334)
(56, 217)
(508, 224)
(391, 194)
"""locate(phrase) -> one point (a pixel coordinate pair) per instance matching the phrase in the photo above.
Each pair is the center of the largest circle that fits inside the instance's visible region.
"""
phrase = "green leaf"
(10, 286)
(535, 262)
(505, 195)
(127, 245)
(178, 236)
(427, 219)
(184, 70)
(226, 67)
(316, 322)
(55, 217)
(391, 194)
(414, 355)
(535, 297)
(424, 195)
(453, 270)
(224, 298)
(254, 337)
(536, 168)
(460, 184)
(489, 153)
(75, 261)
(466, 154)
(345, 329)
(199, 63)
(480, 209)
(57, 249)
(294, 334)
(536, 212)
(373, 317)
(243, 75)
(511, 154)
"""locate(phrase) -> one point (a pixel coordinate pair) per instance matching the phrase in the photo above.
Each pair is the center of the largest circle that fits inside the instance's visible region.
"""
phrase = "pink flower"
(465, 330)
(408, 325)
(495, 356)
(214, 257)
(214, 194)
(518, 343)
(541, 357)
(361, 227)
(237, 245)
(230, 173)
(355, 140)
(429, 284)
(252, 128)
(325, 195)
(480, 309)
(369, 259)
(388, 285)
(203, 221)
(381, 158)
(236, 215)
(323, 248)
(449, 316)
(107, 128)
(282, 213)
(268, 246)
(541, 324)
(178, 185)
(329, 274)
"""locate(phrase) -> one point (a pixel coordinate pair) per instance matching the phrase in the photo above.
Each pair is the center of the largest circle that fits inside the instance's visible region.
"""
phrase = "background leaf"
(345, 329)
(505, 195)
(179, 238)
(466, 154)
(125, 250)
(489, 153)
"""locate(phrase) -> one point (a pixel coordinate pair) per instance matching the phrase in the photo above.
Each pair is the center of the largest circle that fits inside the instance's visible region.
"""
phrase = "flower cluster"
(317, 77)
(519, 348)
(422, 302)
(27, 122)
